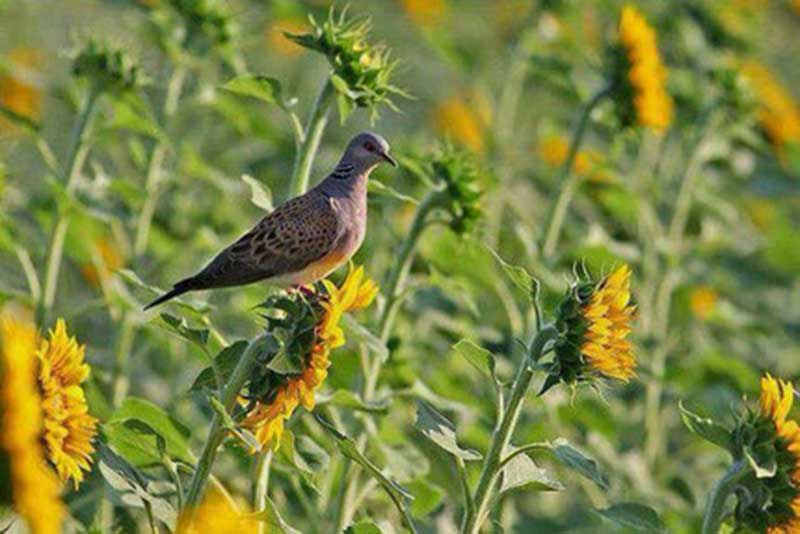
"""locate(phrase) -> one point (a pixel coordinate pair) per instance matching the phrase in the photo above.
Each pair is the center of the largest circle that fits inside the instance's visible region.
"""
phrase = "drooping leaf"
(441, 431)
(634, 516)
(198, 336)
(480, 358)
(132, 489)
(270, 516)
(380, 188)
(174, 434)
(521, 471)
(225, 362)
(263, 88)
(260, 195)
(427, 497)
(350, 399)
(706, 428)
(579, 462)
(518, 275)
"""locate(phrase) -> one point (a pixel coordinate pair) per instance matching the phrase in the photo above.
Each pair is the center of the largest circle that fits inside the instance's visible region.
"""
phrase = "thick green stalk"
(502, 434)
(261, 486)
(715, 507)
(156, 161)
(76, 156)
(217, 432)
(309, 144)
(568, 180)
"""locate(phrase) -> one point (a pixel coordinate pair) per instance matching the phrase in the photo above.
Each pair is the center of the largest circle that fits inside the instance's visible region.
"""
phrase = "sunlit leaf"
(579, 462)
(175, 435)
(442, 432)
(521, 471)
(705, 428)
(260, 195)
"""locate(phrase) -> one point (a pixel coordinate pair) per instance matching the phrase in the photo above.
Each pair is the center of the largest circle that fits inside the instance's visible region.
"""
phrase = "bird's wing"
(295, 235)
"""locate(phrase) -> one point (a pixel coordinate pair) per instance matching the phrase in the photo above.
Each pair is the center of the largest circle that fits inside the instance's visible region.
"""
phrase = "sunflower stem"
(308, 144)
(715, 507)
(76, 156)
(217, 432)
(568, 179)
(504, 430)
(261, 486)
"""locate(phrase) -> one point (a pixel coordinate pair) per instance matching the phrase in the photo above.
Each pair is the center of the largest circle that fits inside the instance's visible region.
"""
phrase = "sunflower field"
(576, 308)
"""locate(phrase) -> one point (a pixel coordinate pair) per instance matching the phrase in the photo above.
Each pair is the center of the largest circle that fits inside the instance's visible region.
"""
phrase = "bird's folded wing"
(298, 233)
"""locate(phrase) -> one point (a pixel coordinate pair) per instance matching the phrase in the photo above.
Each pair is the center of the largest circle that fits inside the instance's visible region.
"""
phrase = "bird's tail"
(178, 289)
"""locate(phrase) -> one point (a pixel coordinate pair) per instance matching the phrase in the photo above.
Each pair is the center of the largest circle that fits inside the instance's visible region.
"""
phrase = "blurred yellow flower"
(19, 90)
(703, 301)
(778, 113)
(464, 120)
(796, 5)
(425, 13)
(647, 74)
(68, 427)
(554, 149)
(109, 258)
(278, 42)
(608, 316)
(215, 515)
(775, 403)
(266, 420)
(34, 487)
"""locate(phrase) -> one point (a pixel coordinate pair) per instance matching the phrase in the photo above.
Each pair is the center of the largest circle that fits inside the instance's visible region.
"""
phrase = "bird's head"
(367, 150)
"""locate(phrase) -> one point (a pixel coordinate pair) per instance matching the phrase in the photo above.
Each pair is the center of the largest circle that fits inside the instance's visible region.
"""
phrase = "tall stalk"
(503, 431)
(76, 156)
(217, 432)
(308, 145)
(567, 179)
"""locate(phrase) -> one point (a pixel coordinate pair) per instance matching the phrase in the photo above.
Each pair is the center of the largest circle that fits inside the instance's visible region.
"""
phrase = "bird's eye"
(369, 146)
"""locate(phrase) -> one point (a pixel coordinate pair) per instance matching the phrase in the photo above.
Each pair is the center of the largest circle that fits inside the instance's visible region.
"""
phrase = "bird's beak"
(389, 159)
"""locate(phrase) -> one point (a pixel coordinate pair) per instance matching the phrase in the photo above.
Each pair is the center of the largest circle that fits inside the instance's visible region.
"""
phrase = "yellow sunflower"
(266, 419)
(34, 487)
(703, 302)
(464, 120)
(647, 75)
(778, 113)
(554, 150)
(68, 427)
(425, 13)
(215, 515)
(775, 403)
(594, 321)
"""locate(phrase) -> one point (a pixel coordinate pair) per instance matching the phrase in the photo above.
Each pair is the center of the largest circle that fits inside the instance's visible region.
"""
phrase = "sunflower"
(20, 87)
(769, 438)
(266, 419)
(425, 13)
(594, 320)
(646, 75)
(703, 302)
(68, 427)
(778, 113)
(463, 119)
(554, 150)
(216, 515)
(34, 487)
(108, 260)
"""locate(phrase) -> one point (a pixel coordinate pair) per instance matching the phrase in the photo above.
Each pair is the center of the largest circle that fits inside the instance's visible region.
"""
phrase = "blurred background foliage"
(504, 80)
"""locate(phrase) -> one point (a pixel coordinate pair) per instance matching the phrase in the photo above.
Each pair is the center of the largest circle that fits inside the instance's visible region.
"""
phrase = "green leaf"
(480, 358)
(760, 468)
(427, 497)
(273, 519)
(263, 88)
(376, 187)
(242, 434)
(260, 195)
(198, 336)
(634, 516)
(174, 434)
(131, 113)
(138, 446)
(225, 361)
(441, 431)
(363, 527)
(349, 449)
(706, 428)
(579, 462)
(518, 275)
(349, 399)
(358, 331)
(132, 489)
(521, 471)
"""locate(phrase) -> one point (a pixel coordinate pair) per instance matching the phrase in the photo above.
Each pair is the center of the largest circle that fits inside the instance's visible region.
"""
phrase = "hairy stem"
(217, 432)
(715, 507)
(502, 434)
(261, 485)
(309, 144)
(76, 156)
(567, 179)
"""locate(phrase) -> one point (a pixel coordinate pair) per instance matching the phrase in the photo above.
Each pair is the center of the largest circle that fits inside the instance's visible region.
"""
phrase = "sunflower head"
(215, 515)
(362, 71)
(307, 327)
(594, 320)
(68, 427)
(638, 76)
(769, 495)
(108, 70)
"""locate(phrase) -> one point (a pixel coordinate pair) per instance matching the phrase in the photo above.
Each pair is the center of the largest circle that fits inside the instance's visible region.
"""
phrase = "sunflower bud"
(593, 320)
(206, 24)
(456, 170)
(361, 71)
(107, 69)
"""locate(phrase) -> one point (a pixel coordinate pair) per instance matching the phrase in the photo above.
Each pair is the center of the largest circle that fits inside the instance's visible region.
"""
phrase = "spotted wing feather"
(298, 233)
